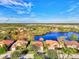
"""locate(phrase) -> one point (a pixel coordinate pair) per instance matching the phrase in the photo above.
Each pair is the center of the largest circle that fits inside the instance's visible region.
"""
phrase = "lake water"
(55, 35)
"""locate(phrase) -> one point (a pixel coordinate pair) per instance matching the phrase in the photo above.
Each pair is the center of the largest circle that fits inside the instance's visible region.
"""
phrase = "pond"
(55, 35)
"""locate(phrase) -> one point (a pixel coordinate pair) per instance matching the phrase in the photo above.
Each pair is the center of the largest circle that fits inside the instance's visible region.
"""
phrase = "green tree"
(37, 56)
(52, 54)
(73, 37)
(16, 55)
(68, 51)
(3, 50)
(35, 48)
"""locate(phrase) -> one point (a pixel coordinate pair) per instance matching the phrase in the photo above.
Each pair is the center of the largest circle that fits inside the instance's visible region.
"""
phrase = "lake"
(55, 35)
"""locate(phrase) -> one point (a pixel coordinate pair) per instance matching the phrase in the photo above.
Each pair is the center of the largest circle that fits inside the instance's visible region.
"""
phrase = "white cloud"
(20, 12)
(15, 2)
(73, 7)
(17, 5)
(72, 12)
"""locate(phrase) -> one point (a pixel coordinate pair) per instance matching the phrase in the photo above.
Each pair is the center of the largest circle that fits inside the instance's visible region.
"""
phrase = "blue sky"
(39, 11)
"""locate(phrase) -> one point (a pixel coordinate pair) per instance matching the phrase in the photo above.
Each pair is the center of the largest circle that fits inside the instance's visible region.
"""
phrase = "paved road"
(70, 56)
(3, 55)
(31, 55)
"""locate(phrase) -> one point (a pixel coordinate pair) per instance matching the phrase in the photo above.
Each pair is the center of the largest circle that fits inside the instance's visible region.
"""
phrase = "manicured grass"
(2, 50)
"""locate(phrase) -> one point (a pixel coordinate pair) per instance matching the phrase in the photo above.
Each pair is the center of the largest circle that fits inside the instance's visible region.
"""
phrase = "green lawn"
(2, 50)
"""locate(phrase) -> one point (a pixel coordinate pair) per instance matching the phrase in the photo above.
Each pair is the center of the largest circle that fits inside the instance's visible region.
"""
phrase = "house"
(1, 44)
(52, 44)
(61, 38)
(71, 44)
(13, 48)
(61, 41)
(7, 42)
(38, 44)
(78, 45)
(19, 43)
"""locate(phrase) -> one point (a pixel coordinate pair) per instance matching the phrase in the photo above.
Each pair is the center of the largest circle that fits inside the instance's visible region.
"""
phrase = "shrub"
(24, 51)
(16, 55)
(2, 50)
(73, 37)
(52, 54)
(68, 51)
(36, 56)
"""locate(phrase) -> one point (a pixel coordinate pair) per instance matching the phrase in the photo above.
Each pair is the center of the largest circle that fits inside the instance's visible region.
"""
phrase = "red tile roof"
(37, 43)
(71, 43)
(49, 42)
(7, 42)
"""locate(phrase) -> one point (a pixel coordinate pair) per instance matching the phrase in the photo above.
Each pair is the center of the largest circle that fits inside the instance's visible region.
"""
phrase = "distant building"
(38, 44)
(7, 42)
(71, 44)
(52, 44)
(19, 43)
